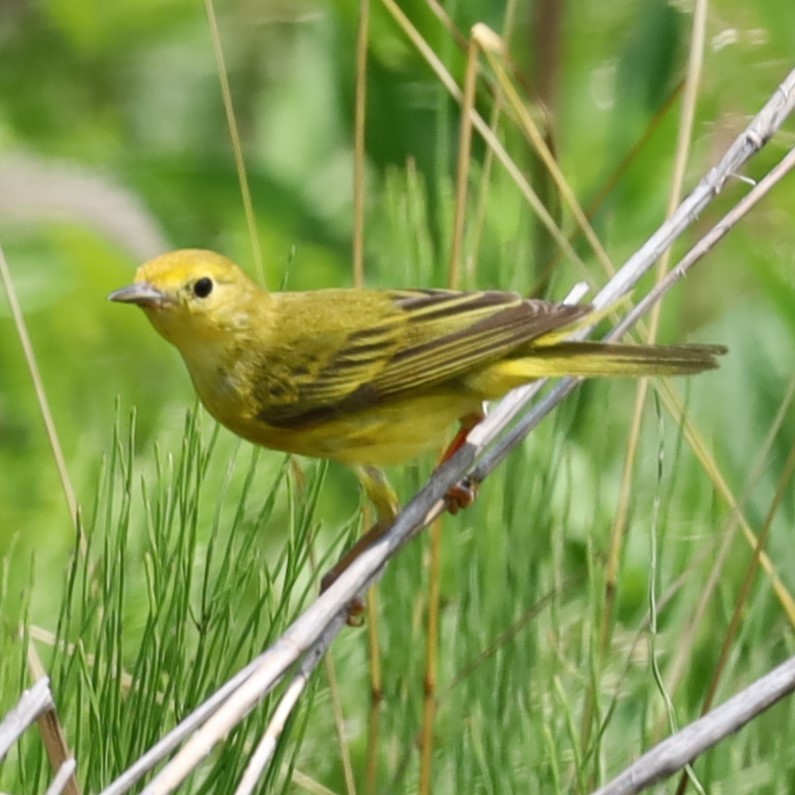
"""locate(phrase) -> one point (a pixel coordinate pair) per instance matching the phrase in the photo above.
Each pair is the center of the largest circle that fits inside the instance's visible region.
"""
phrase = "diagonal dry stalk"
(359, 186)
(234, 137)
(620, 523)
(782, 488)
(681, 658)
(436, 530)
(359, 170)
(49, 723)
(491, 41)
(310, 635)
(31, 705)
(41, 397)
(674, 753)
(655, 247)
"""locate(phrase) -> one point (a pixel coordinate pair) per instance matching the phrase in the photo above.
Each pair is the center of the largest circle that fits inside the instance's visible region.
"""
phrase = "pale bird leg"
(463, 494)
(381, 494)
(385, 501)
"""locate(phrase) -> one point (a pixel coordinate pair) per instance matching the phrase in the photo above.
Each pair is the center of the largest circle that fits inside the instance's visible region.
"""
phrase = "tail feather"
(587, 359)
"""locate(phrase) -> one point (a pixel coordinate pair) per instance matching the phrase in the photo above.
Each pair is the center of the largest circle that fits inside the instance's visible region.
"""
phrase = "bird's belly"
(390, 433)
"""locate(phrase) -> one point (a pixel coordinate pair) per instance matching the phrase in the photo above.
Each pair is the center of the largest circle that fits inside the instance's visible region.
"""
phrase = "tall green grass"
(176, 590)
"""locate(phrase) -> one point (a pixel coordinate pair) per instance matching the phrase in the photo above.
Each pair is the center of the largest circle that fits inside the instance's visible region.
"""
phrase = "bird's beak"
(141, 293)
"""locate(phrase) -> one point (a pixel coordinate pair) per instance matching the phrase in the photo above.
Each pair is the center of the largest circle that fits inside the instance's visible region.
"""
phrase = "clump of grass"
(175, 590)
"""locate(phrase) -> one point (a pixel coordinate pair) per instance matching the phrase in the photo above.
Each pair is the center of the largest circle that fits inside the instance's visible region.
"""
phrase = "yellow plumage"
(366, 377)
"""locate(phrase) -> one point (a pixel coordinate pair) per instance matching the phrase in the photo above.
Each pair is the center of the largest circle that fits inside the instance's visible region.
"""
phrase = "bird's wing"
(408, 340)
(327, 355)
(451, 333)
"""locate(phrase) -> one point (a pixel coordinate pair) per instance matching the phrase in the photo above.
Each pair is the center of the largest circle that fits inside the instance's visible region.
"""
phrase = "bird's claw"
(357, 605)
(461, 496)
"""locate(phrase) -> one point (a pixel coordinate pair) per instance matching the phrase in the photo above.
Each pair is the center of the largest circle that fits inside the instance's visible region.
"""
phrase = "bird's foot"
(461, 496)
(357, 605)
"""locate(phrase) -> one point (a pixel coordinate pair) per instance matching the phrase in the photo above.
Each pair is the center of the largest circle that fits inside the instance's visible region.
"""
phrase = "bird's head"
(192, 296)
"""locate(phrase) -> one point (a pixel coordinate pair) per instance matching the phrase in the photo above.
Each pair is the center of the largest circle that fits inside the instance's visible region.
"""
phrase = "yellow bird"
(367, 377)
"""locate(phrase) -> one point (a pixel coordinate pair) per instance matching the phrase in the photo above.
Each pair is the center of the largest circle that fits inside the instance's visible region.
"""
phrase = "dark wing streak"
(439, 304)
(352, 367)
(370, 366)
(486, 340)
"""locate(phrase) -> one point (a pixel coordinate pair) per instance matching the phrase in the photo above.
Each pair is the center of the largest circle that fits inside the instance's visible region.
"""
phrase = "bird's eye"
(203, 287)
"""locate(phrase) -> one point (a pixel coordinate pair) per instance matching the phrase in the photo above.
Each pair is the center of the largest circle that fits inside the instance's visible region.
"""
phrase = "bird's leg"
(463, 494)
(381, 494)
(385, 501)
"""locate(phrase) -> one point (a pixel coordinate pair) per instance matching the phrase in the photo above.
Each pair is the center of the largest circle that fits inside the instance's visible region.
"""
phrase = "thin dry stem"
(536, 139)
(437, 528)
(684, 647)
(359, 161)
(429, 702)
(32, 703)
(339, 725)
(462, 169)
(441, 14)
(41, 398)
(682, 748)
(376, 692)
(782, 489)
(52, 733)
(710, 466)
(234, 137)
(376, 678)
(479, 216)
(620, 526)
(485, 131)
(610, 183)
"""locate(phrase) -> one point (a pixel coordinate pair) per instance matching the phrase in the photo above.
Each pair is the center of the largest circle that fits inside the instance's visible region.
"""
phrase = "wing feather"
(481, 327)
(418, 338)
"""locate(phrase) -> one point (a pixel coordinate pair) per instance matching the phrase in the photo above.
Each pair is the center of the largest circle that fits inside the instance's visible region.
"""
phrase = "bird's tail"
(588, 359)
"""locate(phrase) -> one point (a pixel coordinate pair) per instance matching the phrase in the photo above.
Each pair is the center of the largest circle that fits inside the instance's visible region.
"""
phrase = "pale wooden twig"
(267, 745)
(673, 754)
(750, 141)
(32, 703)
(62, 778)
(51, 729)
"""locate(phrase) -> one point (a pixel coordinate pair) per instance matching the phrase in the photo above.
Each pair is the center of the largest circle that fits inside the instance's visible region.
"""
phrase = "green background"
(114, 147)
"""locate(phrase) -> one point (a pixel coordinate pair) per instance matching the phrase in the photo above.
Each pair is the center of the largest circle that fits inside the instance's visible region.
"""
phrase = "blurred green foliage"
(114, 145)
